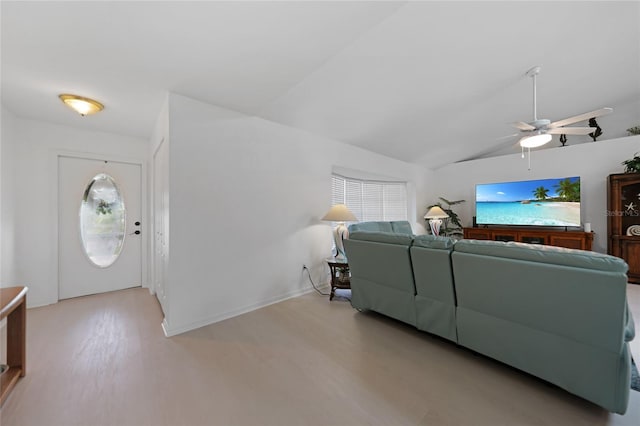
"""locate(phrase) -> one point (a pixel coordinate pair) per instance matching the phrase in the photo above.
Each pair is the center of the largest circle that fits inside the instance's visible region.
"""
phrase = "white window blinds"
(370, 200)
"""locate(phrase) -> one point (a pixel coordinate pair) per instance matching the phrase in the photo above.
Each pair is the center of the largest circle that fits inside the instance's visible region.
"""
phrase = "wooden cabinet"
(559, 238)
(623, 220)
(478, 233)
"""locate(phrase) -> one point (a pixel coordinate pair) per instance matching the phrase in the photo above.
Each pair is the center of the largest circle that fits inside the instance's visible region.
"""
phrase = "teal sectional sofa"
(558, 314)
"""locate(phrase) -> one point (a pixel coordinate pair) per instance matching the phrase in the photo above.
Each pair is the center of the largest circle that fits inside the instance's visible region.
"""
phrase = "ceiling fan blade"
(582, 117)
(491, 150)
(523, 126)
(571, 130)
(508, 136)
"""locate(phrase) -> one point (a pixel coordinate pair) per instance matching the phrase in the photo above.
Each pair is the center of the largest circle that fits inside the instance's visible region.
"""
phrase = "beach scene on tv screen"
(543, 202)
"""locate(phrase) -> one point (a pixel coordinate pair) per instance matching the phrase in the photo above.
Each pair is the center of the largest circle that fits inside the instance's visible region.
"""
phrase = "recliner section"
(381, 274)
(435, 296)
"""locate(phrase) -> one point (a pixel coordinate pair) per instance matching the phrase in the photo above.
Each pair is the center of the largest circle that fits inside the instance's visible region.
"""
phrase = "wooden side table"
(13, 306)
(340, 275)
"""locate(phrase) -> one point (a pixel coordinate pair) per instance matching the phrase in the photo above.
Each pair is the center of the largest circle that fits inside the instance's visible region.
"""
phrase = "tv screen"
(543, 202)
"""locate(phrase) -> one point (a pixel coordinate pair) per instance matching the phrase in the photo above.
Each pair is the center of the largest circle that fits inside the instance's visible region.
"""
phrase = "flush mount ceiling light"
(83, 106)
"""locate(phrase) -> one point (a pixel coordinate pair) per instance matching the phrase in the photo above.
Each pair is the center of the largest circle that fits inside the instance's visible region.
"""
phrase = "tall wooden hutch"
(623, 220)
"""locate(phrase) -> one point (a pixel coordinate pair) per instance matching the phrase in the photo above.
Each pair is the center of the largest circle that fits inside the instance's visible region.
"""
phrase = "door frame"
(152, 217)
(53, 193)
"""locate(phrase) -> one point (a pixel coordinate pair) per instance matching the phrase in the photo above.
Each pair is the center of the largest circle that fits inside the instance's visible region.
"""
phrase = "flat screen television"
(542, 202)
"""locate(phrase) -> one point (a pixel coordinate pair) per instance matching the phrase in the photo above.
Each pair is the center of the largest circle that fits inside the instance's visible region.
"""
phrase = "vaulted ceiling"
(425, 82)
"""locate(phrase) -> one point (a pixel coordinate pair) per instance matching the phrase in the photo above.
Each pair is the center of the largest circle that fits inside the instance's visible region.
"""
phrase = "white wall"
(34, 145)
(246, 198)
(592, 161)
(7, 270)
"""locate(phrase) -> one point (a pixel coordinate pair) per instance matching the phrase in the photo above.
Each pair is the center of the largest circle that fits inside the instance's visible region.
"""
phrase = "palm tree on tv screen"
(567, 190)
(541, 193)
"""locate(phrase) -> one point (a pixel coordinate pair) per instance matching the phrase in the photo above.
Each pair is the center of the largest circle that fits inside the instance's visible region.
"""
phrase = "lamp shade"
(436, 212)
(535, 141)
(339, 213)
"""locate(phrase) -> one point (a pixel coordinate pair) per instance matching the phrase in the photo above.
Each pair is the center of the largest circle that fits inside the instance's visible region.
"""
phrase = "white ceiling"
(425, 82)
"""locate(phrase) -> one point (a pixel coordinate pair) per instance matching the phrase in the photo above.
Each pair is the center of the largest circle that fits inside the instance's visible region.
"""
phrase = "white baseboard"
(37, 303)
(173, 331)
(165, 328)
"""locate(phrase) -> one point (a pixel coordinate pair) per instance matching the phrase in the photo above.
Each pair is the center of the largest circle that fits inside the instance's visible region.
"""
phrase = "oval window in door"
(102, 221)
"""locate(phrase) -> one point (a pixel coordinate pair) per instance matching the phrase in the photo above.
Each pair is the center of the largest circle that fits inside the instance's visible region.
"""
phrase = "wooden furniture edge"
(9, 379)
(586, 238)
(13, 301)
(12, 298)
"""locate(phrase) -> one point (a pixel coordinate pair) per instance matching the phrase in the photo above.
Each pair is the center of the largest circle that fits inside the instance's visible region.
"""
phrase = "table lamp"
(435, 216)
(341, 214)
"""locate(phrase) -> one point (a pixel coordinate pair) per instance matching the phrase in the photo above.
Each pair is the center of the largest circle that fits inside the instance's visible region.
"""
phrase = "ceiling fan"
(538, 132)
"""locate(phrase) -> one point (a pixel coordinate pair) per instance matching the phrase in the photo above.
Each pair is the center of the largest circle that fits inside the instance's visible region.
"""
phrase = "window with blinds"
(370, 200)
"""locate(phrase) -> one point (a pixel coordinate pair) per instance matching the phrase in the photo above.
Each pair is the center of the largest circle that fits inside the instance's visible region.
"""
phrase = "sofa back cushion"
(382, 237)
(401, 227)
(398, 227)
(370, 227)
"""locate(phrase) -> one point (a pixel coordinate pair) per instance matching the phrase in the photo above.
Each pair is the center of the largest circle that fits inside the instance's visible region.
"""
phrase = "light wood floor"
(103, 360)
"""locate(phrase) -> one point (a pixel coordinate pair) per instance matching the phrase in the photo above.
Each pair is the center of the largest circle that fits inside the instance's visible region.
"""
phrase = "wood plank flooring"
(103, 360)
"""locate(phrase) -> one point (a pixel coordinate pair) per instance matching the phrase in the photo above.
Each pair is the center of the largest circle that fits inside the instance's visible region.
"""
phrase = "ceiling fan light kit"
(536, 140)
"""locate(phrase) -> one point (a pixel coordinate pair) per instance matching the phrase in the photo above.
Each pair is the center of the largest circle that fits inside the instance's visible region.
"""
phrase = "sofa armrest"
(629, 328)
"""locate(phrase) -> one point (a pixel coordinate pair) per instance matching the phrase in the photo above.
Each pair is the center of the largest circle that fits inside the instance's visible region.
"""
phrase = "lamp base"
(340, 233)
(435, 226)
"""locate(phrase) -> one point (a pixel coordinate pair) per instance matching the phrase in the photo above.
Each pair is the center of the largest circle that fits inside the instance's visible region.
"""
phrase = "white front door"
(99, 226)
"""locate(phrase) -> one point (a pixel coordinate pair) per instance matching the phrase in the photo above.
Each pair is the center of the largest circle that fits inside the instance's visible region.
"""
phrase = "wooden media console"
(560, 238)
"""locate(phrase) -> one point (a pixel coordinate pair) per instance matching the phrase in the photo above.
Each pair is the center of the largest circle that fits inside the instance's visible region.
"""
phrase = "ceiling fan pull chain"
(535, 98)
